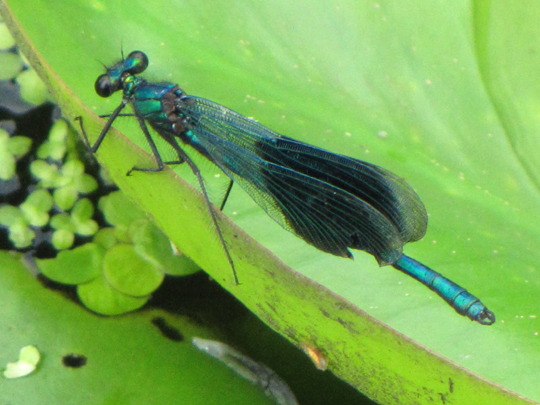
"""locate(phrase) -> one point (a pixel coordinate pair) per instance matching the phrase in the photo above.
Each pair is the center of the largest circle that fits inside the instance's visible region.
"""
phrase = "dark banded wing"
(332, 201)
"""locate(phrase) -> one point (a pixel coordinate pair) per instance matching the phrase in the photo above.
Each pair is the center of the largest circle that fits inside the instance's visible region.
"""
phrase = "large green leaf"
(128, 360)
(441, 93)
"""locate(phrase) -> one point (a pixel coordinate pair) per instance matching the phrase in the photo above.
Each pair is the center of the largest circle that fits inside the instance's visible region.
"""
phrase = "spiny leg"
(172, 162)
(155, 152)
(185, 158)
(226, 196)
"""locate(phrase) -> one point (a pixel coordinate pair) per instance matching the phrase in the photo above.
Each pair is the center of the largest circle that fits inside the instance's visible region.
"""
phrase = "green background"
(442, 93)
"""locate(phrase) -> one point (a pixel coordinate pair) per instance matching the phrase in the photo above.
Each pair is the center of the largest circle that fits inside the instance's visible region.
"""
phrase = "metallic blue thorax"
(149, 101)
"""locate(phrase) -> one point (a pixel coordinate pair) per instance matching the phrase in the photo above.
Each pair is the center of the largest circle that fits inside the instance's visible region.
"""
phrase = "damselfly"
(331, 201)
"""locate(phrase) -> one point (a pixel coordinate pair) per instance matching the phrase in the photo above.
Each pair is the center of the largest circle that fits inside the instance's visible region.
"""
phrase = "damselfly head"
(112, 81)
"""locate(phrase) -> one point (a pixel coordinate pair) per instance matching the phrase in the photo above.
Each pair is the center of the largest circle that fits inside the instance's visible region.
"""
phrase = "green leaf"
(62, 239)
(151, 244)
(77, 266)
(48, 173)
(105, 238)
(28, 360)
(33, 89)
(443, 94)
(19, 145)
(128, 360)
(6, 40)
(11, 65)
(7, 170)
(65, 197)
(21, 235)
(36, 207)
(118, 210)
(62, 221)
(21, 368)
(86, 184)
(129, 273)
(55, 147)
(81, 215)
(40, 199)
(100, 297)
(30, 354)
(83, 210)
(10, 215)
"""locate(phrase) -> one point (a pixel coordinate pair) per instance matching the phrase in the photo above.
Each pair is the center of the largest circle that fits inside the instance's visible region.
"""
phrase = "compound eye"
(104, 87)
(136, 62)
